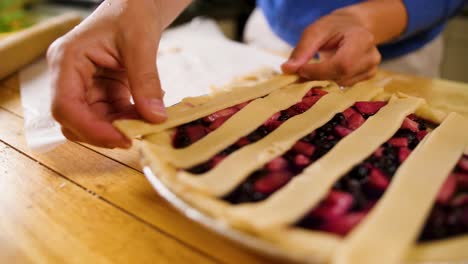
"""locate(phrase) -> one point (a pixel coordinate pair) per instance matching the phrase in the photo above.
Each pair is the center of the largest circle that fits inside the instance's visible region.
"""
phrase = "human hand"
(347, 50)
(109, 58)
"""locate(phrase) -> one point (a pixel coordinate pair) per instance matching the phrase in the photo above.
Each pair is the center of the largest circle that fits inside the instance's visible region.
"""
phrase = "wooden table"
(82, 204)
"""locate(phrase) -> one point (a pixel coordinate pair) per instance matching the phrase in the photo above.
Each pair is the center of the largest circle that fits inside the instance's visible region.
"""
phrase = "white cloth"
(425, 61)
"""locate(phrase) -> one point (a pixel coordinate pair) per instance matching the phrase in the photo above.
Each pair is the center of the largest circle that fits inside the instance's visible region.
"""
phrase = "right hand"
(98, 66)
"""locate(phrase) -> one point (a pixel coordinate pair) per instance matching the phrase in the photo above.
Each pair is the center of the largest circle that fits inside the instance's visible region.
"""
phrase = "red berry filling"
(449, 215)
(185, 136)
(366, 182)
(190, 133)
(302, 154)
(270, 125)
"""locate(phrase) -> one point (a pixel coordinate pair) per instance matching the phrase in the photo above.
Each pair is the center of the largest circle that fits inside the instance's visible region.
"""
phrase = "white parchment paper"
(192, 59)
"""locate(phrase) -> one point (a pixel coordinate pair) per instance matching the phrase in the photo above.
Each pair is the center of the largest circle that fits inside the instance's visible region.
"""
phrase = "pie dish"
(330, 175)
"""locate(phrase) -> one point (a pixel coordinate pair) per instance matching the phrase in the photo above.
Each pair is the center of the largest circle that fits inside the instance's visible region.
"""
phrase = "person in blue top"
(110, 57)
(414, 46)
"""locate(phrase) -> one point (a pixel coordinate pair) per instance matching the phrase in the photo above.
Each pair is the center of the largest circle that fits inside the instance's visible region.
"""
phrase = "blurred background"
(231, 16)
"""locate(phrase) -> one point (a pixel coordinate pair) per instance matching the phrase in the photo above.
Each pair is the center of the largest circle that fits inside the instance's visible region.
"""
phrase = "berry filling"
(364, 184)
(275, 174)
(449, 215)
(189, 133)
(266, 128)
(354, 195)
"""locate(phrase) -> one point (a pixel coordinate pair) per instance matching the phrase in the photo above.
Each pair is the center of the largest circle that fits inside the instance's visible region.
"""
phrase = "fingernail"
(157, 107)
(291, 61)
(289, 66)
(287, 63)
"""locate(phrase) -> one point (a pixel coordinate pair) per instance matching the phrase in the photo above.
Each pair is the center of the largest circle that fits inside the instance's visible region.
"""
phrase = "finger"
(129, 112)
(112, 91)
(324, 70)
(309, 43)
(71, 109)
(358, 78)
(91, 129)
(350, 59)
(105, 80)
(69, 135)
(144, 80)
(367, 63)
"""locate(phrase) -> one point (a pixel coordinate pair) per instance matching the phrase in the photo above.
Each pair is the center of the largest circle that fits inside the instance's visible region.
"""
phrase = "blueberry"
(354, 187)
(328, 128)
(338, 186)
(257, 196)
(258, 134)
(181, 140)
(359, 173)
(229, 150)
(330, 144)
(283, 116)
(338, 119)
(435, 225)
(199, 169)
(196, 122)
(321, 135)
(410, 135)
(310, 222)
(453, 222)
(422, 126)
(245, 192)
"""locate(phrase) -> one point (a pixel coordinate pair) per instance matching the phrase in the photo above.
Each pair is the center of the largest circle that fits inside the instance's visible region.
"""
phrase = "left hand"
(347, 51)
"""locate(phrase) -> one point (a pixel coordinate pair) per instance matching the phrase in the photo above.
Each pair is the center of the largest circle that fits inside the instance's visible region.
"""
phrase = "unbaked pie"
(358, 175)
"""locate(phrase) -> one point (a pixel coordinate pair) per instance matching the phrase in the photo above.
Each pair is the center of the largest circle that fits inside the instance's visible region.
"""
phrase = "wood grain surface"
(96, 186)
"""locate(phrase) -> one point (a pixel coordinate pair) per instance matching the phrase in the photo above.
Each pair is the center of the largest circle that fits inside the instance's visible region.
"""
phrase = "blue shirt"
(426, 19)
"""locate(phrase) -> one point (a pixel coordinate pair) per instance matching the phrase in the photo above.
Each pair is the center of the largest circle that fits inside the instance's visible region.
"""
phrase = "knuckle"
(53, 51)
(377, 57)
(60, 51)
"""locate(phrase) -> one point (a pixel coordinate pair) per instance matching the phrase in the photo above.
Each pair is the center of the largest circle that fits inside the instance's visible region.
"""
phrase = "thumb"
(144, 81)
(304, 51)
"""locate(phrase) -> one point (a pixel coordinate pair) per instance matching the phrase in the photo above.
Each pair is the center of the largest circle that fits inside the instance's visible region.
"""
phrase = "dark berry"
(181, 139)
(284, 116)
(229, 150)
(359, 172)
(199, 169)
(258, 134)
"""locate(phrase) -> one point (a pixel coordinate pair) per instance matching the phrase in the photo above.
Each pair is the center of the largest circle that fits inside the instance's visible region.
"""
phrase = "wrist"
(385, 19)
(168, 10)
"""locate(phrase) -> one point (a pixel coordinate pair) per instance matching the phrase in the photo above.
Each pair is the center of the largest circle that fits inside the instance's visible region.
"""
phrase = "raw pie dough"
(386, 235)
